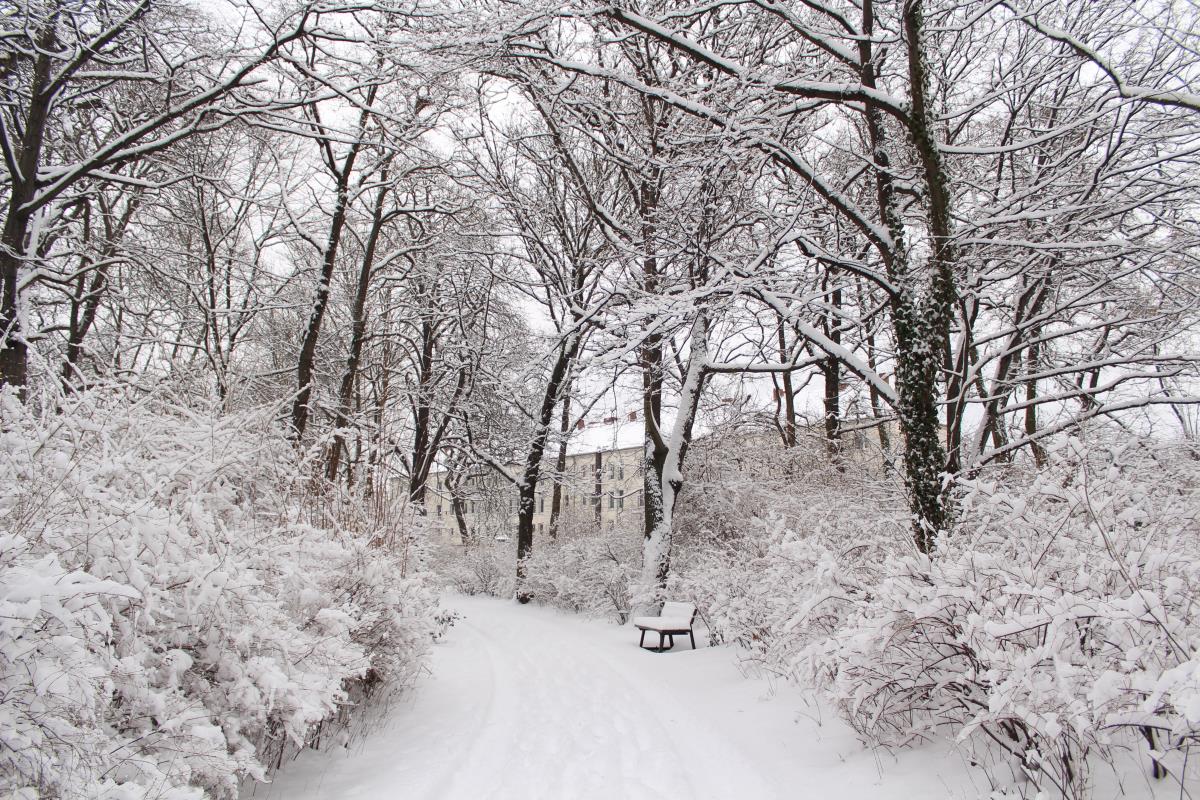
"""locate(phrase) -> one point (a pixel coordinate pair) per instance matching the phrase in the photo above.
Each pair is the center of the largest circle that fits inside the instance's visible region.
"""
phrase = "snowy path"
(530, 703)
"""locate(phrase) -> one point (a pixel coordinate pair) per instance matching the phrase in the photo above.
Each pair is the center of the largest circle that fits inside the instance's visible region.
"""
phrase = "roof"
(611, 433)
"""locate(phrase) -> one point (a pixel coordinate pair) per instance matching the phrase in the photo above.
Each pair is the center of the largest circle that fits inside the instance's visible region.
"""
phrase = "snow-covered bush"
(1060, 620)
(590, 572)
(170, 619)
(774, 590)
(485, 567)
(1058, 623)
(774, 545)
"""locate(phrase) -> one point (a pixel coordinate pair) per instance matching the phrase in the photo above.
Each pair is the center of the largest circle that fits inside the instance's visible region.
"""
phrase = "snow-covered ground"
(526, 702)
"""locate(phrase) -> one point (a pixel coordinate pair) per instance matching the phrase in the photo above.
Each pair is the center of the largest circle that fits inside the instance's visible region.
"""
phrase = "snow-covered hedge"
(486, 567)
(171, 621)
(591, 572)
(1059, 622)
(588, 571)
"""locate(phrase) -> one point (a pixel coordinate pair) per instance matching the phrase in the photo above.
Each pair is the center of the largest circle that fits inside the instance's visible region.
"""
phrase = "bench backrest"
(679, 611)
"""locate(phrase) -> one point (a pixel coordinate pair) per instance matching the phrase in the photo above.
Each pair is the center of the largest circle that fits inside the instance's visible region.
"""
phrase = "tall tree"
(143, 76)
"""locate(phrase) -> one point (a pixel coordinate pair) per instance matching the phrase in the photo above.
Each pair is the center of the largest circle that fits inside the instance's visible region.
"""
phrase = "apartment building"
(600, 487)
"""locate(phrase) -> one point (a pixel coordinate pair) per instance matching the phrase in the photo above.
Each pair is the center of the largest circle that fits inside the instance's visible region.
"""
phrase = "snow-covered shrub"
(735, 481)
(485, 567)
(1059, 620)
(773, 590)
(774, 545)
(1058, 623)
(589, 572)
(170, 621)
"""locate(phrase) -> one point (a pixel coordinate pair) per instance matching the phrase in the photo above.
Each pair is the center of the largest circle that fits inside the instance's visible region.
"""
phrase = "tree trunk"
(668, 474)
(301, 412)
(789, 392)
(560, 463)
(831, 371)
(926, 329)
(312, 332)
(358, 330)
(527, 488)
(1031, 425)
(919, 326)
(651, 357)
(14, 244)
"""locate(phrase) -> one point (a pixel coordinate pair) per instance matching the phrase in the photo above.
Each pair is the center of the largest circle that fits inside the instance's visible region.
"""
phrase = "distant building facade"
(599, 488)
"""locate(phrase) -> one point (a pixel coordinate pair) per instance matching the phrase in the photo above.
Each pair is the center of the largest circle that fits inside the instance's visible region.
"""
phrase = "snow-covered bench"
(675, 620)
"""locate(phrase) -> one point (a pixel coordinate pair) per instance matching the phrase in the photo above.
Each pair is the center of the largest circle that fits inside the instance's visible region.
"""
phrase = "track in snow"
(525, 702)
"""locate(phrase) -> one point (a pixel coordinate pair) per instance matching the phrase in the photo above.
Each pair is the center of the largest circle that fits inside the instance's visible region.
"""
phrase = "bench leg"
(693, 638)
(660, 641)
(642, 641)
(671, 636)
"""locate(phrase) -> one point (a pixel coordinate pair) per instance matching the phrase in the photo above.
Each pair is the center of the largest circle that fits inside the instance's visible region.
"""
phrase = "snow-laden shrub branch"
(592, 572)
(589, 571)
(1059, 620)
(170, 619)
(1058, 623)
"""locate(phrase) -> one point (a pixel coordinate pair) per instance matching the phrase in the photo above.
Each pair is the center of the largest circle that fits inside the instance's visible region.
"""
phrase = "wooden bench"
(675, 620)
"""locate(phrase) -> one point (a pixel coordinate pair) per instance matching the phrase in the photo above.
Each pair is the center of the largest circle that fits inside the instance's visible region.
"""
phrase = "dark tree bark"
(654, 455)
(527, 488)
(342, 173)
(788, 391)
(560, 462)
(358, 327)
(831, 371)
(14, 241)
(1031, 424)
(920, 327)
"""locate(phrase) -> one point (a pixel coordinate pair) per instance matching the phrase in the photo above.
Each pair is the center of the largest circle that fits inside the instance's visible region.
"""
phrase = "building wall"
(604, 488)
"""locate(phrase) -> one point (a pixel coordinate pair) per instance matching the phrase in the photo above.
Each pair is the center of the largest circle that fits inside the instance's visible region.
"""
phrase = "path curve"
(530, 703)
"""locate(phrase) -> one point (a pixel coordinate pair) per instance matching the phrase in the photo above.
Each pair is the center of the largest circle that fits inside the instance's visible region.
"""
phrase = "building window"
(612, 500)
(542, 504)
(439, 507)
(621, 472)
(621, 501)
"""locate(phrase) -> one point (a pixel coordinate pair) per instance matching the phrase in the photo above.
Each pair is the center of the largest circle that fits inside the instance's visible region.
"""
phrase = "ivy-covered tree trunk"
(920, 313)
